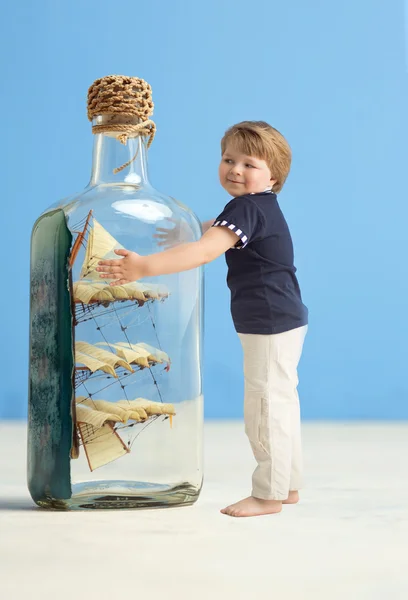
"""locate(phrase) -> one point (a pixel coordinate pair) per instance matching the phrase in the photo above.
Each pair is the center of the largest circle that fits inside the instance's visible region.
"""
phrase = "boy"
(266, 304)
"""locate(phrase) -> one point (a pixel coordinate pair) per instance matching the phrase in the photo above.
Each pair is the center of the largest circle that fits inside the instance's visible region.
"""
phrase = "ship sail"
(145, 408)
(121, 354)
(91, 355)
(102, 445)
(97, 420)
(101, 245)
(97, 291)
(140, 353)
(93, 364)
(97, 412)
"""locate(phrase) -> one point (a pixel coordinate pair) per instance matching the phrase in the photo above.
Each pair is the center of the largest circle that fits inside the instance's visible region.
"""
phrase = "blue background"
(331, 76)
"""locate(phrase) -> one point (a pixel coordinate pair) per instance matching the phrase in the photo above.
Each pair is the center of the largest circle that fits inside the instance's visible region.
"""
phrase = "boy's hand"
(124, 270)
(169, 238)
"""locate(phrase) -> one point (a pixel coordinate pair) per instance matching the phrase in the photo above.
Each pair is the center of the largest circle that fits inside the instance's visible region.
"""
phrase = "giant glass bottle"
(115, 384)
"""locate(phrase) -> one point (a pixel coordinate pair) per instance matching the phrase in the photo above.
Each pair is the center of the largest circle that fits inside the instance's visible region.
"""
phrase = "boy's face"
(241, 174)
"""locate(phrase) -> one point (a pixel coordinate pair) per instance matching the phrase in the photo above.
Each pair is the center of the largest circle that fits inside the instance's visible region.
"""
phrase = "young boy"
(266, 304)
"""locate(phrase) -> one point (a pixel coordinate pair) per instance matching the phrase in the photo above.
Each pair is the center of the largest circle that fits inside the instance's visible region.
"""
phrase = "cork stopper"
(125, 105)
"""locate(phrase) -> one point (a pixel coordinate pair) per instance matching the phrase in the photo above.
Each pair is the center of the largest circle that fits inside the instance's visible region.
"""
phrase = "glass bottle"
(115, 390)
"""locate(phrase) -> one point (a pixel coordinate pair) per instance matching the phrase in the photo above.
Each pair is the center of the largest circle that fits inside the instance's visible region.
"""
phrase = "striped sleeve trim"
(242, 242)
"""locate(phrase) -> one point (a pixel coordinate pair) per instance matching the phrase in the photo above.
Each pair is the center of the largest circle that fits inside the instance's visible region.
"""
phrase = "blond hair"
(261, 140)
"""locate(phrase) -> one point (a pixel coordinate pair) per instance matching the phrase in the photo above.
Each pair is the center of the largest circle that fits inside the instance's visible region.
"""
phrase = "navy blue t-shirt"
(265, 294)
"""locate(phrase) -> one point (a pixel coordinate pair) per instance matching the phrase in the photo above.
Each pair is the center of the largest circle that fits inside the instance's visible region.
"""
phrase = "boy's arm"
(168, 238)
(184, 257)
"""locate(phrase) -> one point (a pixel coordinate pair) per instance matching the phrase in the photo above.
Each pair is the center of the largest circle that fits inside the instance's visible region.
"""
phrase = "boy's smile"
(241, 174)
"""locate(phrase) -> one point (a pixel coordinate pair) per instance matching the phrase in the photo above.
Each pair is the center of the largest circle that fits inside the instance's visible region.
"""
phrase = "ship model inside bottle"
(115, 407)
(101, 424)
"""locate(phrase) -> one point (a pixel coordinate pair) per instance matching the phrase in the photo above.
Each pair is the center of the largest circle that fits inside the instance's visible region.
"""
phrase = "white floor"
(347, 539)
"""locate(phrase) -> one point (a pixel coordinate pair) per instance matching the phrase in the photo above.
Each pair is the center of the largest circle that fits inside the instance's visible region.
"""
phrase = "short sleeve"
(242, 216)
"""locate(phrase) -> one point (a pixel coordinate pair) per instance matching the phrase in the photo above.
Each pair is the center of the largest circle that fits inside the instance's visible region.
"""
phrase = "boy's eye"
(251, 166)
(227, 160)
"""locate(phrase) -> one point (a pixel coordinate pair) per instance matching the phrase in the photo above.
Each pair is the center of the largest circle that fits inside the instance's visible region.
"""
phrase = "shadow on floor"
(17, 504)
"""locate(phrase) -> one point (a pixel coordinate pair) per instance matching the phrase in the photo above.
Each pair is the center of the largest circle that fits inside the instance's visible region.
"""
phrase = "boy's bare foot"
(292, 498)
(252, 507)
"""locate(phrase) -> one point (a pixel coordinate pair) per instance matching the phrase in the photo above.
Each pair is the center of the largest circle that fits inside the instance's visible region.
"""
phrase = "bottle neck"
(109, 155)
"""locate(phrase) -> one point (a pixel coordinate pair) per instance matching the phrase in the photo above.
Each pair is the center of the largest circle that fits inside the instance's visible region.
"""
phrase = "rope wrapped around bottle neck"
(125, 131)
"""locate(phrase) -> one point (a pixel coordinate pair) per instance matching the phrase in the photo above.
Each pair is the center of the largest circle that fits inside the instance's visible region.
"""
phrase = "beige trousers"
(272, 411)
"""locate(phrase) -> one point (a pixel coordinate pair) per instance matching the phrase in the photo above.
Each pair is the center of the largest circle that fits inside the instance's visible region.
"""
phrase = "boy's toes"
(232, 511)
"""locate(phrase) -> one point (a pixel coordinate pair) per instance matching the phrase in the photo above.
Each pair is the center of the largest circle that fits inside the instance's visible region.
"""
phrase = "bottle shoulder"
(128, 210)
(122, 197)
